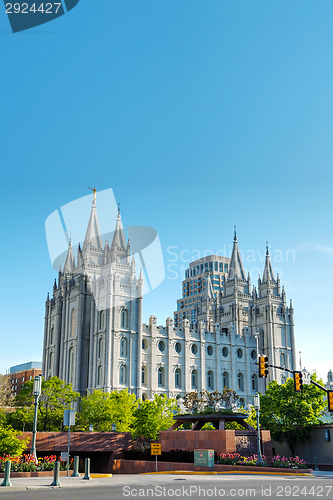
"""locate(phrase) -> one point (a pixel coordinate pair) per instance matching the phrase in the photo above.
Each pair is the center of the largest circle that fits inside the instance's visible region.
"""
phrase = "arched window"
(226, 380)
(144, 397)
(239, 353)
(71, 366)
(242, 402)
(100, 348)
(282, 360)
(52, 335)
(144, 375)
(122, 375)
(225, 331)
(73, 322)
(210, 380)
(99, 375)
(283, 379)
(241, 382)
(177, 377)
(254, 354)
(123, 347)
(160, 377)
(225, 352)
(254, 383)
(124, 318)
(194, 379)
(101, 320)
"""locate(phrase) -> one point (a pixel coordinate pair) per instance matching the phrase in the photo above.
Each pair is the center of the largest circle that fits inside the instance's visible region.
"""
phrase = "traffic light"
(298, 381)
(263, 366)
(330, 400)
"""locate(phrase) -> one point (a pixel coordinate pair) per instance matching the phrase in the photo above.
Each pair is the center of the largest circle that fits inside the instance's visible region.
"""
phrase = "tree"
(153, 416)
(103, 409)
(289, 415)
(9, 442)
(6, 396)
(56, 396)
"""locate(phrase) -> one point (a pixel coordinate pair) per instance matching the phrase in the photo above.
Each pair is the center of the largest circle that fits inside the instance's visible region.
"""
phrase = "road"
(164, 486)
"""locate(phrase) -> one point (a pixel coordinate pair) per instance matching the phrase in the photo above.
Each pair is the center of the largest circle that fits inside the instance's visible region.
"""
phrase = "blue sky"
(199, 115)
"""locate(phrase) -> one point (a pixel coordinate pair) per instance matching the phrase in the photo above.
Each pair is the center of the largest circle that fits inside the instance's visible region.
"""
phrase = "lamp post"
(256, 399)
(36, 392)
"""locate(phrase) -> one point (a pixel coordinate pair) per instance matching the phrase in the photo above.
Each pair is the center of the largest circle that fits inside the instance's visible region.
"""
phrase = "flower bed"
(26, 463)
(277, 461)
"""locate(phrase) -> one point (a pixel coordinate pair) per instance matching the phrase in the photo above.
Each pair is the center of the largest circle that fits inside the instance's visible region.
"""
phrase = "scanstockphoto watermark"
(86, 227)
(178, 259)
(276, 491)
(160, 491)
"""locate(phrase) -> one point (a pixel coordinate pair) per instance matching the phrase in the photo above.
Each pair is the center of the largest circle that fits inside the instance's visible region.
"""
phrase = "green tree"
(9, 442)
(56, 396)
(103, 409)
(153, 416)
(289, 415)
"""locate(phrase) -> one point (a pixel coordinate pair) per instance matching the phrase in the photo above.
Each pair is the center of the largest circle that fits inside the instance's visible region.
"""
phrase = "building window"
(194, 379)
(254, 383)
(144, 344)
(99, 375)
(177, 377)
(241, 382)
(210, 380)
(242, 402)
(225, 331)
(124, 318)
(226, 380)
(239, 353)
(100, 348)
(123, 347)
(194, 348)
(282, 360)
(50, 362)
(225, 352)
(178, 347)
(209, 350)
(143, 375)
(73, 322)
(101, 320)
(122, 375)
(71, 366)
(52, 335)
(254, 354)
(161, 345)
(160, 377)
(22, 379)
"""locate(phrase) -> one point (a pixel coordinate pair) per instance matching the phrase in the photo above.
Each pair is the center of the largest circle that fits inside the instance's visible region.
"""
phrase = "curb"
(200, 473)
(96, 476)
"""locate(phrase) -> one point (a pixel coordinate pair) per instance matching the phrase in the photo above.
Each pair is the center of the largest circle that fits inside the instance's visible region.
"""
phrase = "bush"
(277, 461)
(9, 442)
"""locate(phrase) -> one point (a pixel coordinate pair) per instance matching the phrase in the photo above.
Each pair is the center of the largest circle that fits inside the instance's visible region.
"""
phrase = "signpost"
(306, 377)
(156, 449)
(69, 419)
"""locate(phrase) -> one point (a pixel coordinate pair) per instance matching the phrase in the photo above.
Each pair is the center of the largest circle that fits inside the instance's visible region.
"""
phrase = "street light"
(256, 399)
(37, 388)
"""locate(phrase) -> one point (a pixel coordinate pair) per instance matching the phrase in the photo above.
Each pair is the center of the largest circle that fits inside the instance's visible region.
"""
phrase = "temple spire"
(70, 263)
(93, 236)
(268, 270)
(118, 236)
(209, 292)
(236, 269)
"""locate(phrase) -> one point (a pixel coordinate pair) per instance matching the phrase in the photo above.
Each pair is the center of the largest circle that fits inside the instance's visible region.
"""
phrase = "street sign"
(69, 417)
(306, 377)
(156, 449)
(64, 456)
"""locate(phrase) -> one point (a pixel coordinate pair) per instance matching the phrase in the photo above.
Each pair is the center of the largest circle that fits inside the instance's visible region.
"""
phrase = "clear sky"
(199, 115)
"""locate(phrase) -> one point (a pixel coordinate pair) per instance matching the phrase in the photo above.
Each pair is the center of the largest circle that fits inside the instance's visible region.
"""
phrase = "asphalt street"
(163, 486)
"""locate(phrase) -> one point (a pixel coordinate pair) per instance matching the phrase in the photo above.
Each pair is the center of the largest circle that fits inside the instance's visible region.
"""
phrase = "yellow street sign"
(156, 449)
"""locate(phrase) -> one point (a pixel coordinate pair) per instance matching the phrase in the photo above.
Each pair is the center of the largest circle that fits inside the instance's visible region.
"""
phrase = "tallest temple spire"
(93, 236)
